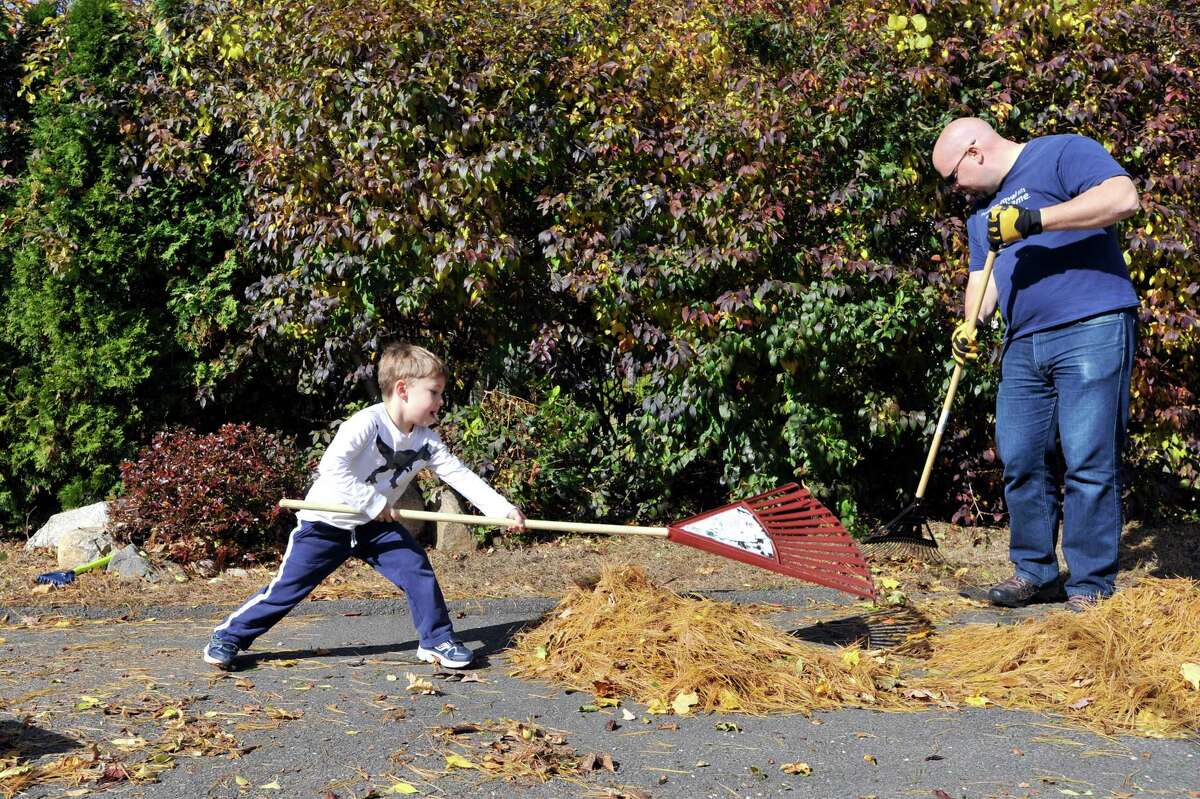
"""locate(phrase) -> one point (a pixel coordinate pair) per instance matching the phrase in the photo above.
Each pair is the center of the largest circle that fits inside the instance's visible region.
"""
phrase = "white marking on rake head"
(735, 527)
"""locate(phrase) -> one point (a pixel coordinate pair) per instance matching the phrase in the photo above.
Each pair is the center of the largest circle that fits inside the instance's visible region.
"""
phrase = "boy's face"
(419, 401)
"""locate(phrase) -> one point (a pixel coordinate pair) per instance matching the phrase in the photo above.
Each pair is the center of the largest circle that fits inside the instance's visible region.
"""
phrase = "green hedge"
(708, 230)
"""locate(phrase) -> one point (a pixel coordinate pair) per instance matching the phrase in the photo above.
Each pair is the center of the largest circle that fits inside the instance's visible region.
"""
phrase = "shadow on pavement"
(495, 638)
(29, 742)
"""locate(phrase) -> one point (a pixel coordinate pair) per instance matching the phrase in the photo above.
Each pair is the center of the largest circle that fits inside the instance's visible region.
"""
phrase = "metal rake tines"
(895, 628)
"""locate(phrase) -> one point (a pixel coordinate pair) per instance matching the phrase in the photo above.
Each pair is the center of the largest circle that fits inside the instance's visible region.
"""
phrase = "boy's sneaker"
(450, 654)
(220, 653)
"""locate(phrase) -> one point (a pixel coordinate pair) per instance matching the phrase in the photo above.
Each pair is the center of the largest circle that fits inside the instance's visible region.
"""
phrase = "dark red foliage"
(191, 496)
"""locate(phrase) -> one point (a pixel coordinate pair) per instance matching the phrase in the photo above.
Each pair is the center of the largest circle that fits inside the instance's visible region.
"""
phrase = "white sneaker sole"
(429, 656)
(212, 661)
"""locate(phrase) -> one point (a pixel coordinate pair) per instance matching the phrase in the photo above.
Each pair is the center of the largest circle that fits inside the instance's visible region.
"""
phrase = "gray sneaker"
(220, 653)
(449, 654)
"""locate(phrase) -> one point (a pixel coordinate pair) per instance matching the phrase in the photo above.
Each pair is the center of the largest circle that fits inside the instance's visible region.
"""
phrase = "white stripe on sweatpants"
(259, 597)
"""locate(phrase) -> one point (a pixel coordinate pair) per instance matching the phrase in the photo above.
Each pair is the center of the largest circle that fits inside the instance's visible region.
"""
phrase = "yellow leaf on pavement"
(1151, 724)
(129, 743)
(657, 706)
(803, 769)
(419, 685)
(977, 701)
(458, 761)
(684, 703)
(728, 700)
(402, 788)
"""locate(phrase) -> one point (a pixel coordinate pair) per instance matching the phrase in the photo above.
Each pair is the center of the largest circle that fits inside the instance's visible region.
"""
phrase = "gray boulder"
(82, 545)
(130, 565)
(454, 537)
(92, 517)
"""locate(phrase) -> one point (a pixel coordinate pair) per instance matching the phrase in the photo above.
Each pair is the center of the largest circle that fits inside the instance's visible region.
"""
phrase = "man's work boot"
(1015, 592)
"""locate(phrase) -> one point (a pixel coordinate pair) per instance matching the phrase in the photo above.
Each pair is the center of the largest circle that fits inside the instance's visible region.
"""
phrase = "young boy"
(370, 462)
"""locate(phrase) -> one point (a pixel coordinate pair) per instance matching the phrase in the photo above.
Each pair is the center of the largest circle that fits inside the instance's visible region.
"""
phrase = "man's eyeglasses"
(952, 178)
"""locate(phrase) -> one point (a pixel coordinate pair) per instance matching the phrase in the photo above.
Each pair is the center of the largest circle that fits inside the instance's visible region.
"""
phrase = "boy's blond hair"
(403, 361)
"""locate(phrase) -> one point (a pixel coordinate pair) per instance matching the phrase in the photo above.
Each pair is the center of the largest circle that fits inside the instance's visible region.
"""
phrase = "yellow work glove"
(963, 344)
(1009, 223)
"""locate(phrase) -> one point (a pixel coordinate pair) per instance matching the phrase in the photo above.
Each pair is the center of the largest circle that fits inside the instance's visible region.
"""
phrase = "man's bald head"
(973, 139)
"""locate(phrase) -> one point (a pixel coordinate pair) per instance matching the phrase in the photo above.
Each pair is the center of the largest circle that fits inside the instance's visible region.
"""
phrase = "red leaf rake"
(785, 530)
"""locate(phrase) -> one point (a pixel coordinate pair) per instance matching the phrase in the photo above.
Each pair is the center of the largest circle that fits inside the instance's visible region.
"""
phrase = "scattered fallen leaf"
(727, 726)
(88, 702)
(977, 701)
(129, 743)
(419, 685)
(870, 759)
(458, 761)
(683, 704)
(1080, 704)
(803, 769)
(273, 785)
(657, 706)
(728, 700)
(402, 788)
(851, 657)
(1191, 673)
(625, 714)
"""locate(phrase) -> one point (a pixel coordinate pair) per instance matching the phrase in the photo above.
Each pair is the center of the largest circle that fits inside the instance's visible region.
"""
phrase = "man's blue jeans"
(1066, 390)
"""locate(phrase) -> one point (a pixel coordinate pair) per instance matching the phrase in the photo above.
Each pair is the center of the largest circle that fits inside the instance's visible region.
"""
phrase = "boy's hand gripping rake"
(785, 530)
(909, 533)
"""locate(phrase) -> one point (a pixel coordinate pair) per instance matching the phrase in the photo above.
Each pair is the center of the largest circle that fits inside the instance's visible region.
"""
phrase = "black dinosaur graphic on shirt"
(399, 461)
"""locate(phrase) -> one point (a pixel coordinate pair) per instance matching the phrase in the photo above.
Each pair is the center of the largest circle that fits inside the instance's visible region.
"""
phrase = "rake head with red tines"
(785, 530)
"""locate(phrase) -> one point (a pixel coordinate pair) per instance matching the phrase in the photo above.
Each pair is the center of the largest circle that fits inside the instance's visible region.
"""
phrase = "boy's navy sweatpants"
(316, 549)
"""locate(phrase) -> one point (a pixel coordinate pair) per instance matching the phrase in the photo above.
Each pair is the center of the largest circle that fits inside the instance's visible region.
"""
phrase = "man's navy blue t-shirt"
(1059, 276)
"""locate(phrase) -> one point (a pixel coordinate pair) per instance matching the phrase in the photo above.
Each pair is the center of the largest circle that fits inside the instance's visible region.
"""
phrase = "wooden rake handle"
(972, 320)
(485, 521)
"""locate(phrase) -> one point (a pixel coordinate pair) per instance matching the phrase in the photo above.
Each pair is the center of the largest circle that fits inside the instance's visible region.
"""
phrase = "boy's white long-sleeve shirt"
(370, 462)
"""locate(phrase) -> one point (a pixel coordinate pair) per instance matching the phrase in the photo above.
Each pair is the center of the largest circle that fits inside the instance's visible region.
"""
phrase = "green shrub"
(99, 316)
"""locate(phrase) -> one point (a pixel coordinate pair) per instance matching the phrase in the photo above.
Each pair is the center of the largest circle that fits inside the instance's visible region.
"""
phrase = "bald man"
(1049, 207)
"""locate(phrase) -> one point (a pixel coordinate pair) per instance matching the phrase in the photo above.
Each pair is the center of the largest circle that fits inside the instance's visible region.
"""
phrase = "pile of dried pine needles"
(629, 637)
(1122, 667)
